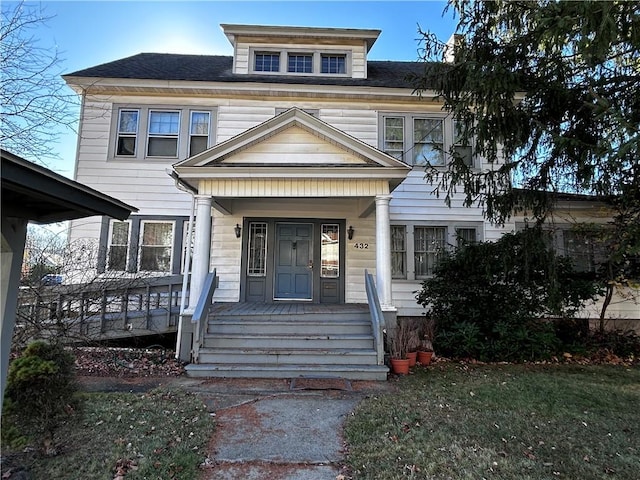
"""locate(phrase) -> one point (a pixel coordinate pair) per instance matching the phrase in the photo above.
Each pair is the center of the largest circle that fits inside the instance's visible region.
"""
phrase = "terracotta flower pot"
(424, 357)
(412, 357)
(400, 366)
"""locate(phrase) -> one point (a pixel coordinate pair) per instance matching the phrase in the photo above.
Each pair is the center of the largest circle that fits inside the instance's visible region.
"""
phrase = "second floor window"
(421, 140)
(127, 132)
(199, 132)
(169, 132)
(164, 127)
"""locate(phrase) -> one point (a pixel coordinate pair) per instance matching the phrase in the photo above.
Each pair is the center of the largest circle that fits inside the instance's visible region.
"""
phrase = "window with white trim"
(333, 64)
(199, 128)
(429, 244)
(422, 139)
(118, 245)
(266, 62)
(170, 132)
(300, 63)
(398, 251)
(164, 128)
(417, 248)
(156, 246)
(127, 132)
(461, 145)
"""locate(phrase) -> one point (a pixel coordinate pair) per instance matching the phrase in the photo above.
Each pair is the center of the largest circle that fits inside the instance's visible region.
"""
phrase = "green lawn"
(157, 435)
(452, 421)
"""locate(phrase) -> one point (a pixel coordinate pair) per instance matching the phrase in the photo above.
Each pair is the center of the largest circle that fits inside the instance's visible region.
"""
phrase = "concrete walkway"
(267, 428)
(278, 429)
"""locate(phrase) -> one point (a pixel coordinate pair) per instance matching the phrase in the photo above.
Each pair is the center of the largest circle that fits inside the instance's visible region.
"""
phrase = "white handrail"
(377, 317)
(201, 312)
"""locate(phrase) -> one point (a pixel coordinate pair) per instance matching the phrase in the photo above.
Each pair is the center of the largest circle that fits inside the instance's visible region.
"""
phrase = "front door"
(294, 261)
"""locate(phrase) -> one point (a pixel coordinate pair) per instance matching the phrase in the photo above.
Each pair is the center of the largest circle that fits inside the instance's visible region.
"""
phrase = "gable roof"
(364, 161)
(217, 68)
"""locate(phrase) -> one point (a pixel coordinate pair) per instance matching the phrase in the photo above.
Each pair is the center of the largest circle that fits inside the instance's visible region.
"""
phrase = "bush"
(40, 392)
(490, 300)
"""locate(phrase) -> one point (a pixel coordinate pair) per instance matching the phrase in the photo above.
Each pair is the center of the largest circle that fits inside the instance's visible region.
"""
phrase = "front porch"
(288, 340)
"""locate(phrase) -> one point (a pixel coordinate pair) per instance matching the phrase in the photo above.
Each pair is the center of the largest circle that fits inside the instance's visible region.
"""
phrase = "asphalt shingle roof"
(217, 68)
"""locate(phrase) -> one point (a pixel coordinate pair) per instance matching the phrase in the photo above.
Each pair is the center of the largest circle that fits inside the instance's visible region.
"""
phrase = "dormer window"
(267, 62)
(300, 63)
(333, 64)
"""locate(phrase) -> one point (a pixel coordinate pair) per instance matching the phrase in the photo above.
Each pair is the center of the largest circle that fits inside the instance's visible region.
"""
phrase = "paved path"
(267, 429)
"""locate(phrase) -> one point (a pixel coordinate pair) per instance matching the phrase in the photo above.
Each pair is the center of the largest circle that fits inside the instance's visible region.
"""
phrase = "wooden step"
(349, 372)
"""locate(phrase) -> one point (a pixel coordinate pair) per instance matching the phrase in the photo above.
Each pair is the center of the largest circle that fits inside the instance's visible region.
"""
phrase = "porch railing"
(201, 313)
(377, 317)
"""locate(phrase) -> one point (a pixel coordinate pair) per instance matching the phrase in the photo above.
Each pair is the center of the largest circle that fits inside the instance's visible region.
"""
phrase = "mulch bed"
(126, 362)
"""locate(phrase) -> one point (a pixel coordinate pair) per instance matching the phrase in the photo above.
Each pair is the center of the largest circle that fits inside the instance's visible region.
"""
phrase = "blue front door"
(294, 261)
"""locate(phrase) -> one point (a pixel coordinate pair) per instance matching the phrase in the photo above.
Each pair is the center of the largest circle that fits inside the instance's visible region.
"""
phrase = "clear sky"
(88, 33)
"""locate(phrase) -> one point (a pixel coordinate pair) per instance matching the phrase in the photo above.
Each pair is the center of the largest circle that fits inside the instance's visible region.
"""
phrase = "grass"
(157, 435)
(452, 421)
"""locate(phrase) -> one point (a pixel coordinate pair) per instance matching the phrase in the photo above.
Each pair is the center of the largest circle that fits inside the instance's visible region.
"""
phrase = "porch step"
(350, 372)
(291, 341)
(288, 341)
(287, 356)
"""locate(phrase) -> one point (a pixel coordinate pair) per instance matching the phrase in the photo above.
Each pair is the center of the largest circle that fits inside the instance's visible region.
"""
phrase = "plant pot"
(412, 357)
(425, 358)
(400, 366)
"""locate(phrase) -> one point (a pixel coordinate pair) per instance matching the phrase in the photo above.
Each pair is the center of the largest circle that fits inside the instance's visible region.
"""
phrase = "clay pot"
(400, 366)
(425, 358)
(413, 358)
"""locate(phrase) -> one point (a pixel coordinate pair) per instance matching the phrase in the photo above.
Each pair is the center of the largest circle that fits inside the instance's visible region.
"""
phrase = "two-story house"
(302, 163)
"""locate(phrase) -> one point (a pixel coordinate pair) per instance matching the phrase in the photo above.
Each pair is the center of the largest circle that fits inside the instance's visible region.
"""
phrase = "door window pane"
(330, 254)
(156, 246)
(257, 265)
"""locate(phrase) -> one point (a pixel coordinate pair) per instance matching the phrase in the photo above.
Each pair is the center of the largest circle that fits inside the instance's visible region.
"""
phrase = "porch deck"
(284, 308)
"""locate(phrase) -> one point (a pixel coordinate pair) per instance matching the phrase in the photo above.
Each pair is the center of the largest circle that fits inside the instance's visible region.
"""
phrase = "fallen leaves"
(126, 362)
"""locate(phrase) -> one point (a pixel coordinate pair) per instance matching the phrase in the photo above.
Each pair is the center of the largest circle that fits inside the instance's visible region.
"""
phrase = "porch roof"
(292, 154)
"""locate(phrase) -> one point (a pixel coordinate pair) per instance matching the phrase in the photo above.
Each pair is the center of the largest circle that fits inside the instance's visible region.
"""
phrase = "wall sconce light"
(238, 230)
(350, 232)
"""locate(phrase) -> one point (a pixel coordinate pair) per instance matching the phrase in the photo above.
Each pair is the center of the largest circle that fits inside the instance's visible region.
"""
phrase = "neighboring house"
(302, 160)
(33, 193)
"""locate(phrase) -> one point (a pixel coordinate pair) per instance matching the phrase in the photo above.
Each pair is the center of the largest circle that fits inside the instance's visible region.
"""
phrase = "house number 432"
(362, 246)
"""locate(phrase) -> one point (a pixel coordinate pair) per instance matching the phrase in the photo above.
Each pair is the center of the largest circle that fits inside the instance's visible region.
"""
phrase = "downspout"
(186, 265)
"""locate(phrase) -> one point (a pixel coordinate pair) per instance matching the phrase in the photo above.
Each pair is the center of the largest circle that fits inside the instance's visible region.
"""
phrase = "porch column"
(201, 249)
(383, 252)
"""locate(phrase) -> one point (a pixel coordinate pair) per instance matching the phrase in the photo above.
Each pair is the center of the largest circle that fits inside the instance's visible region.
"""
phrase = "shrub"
(490, 300)
(40, 391)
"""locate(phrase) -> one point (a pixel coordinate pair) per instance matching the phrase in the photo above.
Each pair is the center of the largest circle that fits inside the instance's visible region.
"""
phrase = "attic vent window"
(267, 62)
(333, 64)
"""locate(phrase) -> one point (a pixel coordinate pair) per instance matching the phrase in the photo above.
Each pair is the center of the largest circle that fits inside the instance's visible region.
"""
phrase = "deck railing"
(101, 309)
(201, 313)
(377, 317)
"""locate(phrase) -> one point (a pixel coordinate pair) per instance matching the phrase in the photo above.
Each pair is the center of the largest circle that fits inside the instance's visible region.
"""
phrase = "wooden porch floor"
(285, 308)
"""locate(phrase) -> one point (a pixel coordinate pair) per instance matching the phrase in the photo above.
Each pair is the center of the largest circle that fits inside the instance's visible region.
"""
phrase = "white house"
(303, 163)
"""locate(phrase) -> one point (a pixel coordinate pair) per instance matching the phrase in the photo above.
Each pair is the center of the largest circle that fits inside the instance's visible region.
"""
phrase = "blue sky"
(88, 33)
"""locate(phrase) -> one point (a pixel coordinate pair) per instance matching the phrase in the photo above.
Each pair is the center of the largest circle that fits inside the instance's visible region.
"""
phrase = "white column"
(201, 249)
(383, 252)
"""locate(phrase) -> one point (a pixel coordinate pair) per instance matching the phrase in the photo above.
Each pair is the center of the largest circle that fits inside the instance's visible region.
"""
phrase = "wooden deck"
(285, 308)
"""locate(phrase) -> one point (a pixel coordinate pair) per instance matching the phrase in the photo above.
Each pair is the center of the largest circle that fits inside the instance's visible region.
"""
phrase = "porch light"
(350, 232)
(238, 230)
